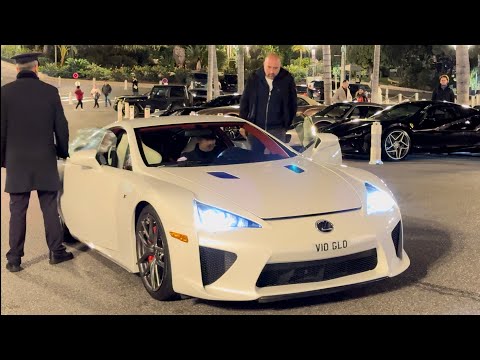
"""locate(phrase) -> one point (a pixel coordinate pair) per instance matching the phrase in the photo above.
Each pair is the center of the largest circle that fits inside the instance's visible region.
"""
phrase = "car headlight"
(212, 219)
(378, 201)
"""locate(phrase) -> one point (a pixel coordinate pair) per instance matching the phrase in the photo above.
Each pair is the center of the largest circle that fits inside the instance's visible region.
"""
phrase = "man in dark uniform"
(443, 92)
(34, 132)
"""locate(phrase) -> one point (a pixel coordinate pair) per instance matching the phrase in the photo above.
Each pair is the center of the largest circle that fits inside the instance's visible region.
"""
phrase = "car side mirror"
(86, 158)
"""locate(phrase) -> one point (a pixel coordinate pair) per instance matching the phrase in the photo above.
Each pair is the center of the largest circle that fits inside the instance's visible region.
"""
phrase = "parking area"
(438, 196)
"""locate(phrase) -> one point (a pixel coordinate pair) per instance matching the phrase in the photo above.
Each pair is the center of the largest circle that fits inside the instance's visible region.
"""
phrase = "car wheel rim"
(151, 253)
(397, 144)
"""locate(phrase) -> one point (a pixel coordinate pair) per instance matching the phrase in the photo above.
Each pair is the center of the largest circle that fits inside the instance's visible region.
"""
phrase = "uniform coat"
(34, 131)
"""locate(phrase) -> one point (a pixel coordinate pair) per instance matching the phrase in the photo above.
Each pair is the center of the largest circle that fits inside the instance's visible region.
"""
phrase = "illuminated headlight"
(378, 201)
(212, 219)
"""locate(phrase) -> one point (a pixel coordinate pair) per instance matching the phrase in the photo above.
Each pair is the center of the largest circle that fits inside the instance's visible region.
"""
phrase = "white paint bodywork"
(98, 206)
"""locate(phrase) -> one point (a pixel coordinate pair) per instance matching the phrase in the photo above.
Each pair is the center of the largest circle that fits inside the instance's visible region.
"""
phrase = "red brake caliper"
(151, 257)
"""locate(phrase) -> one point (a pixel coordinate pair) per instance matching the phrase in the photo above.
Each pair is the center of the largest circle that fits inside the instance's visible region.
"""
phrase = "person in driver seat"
(206, 150)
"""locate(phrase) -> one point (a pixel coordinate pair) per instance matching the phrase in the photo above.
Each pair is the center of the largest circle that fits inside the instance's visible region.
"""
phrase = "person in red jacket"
(360, 96)
(79, 95)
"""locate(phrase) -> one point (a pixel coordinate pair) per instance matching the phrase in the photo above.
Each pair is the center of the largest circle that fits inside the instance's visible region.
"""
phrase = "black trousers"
(18, 223)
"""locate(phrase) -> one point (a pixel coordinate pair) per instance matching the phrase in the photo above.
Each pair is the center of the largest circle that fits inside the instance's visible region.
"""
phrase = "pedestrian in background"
(443, 92)
(135, 85)
(361, 96)
(342, 93)
(270, 99)
(106, 90)
(96, 95)
(34, 131)
(79, 95)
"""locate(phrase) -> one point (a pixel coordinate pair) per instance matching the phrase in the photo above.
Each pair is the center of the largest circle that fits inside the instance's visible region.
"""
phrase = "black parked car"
(159, 98)
(199, 96)
(229, 83)
(341, 112)
(223, 100)
(418, 126)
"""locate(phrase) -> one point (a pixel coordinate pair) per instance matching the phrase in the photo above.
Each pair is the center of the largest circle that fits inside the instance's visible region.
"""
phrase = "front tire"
(153, 257)
(396, 144)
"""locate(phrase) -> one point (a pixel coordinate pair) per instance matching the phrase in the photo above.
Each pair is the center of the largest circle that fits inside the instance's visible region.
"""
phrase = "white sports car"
(243, 224)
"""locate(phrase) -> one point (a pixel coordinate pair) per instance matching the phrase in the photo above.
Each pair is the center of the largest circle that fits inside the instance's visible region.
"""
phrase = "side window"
(372, 110)
(438, 116)
(177, 92)
(159, 92)
(123, 152)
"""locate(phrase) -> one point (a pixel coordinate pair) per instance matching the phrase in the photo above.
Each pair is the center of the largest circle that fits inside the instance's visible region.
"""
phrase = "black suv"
(159, 98)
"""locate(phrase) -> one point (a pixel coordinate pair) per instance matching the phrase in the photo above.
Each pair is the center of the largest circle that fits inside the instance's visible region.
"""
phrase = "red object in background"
(75, 75)
(165, 81)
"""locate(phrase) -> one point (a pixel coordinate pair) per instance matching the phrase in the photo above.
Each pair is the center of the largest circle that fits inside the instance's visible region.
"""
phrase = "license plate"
(331, 246)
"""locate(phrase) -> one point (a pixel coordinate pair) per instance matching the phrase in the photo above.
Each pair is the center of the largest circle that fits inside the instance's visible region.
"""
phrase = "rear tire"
(153, 258)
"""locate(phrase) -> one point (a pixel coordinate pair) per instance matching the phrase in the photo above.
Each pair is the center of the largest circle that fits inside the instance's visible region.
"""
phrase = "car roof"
(172, 120)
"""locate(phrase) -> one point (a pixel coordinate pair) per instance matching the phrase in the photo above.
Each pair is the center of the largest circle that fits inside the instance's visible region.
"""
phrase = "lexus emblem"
(324, 225)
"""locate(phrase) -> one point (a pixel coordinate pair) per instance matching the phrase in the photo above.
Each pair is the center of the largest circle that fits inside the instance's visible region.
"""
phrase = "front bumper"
(240, 275)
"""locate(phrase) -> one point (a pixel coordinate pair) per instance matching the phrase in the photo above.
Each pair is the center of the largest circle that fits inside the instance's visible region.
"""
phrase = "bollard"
(77, 83)
(132, 112)
(416, 96)
(147, 112)
(93, 82)
(70, 102)
(387, 100)
(399, 98)
(125, 85)
(379, 95)
(127, 109)
(472, 101)
(59, 81)
(119, 111)
(376, 144)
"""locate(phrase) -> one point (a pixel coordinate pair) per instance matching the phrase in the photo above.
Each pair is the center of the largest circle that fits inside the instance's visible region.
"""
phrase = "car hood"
(270, 189)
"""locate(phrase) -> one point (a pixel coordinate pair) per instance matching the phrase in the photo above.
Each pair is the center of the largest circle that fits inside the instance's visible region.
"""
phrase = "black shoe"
(61, 257)
(13, 267)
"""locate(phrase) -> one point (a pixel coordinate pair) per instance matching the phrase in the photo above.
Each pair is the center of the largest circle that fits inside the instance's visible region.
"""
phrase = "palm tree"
(216, 83)
(300, 49)
(240, 68)
(375, 75)
(63, 52)
(211, 50)
(463, 74)
(327, 75)
(195, 52)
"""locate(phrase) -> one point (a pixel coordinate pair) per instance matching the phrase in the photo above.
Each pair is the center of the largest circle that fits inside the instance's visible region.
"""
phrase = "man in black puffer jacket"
(443, 91)
(270, 98)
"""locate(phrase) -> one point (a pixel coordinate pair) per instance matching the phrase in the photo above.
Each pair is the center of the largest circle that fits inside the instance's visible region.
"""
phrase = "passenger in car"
(205, 150)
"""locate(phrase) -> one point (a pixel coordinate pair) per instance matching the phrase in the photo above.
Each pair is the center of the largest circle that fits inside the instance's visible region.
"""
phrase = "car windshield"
(399, 111)
(208, 144)
(335, 111)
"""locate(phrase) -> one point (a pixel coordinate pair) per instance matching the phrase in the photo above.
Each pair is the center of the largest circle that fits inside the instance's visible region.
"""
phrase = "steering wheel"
(234, 155)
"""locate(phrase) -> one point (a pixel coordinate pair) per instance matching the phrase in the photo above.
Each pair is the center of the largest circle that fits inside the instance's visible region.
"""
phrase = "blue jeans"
(107, 100)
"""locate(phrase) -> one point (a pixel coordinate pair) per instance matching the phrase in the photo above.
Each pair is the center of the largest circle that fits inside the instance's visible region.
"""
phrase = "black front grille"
(318, 270)
(214, 263)
(397, 238)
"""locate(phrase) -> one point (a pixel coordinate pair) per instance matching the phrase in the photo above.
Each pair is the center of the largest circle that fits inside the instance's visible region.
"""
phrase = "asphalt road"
(438, 196)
